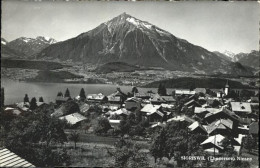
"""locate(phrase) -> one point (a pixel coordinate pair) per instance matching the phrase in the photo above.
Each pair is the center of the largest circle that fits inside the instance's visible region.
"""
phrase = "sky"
(216, 26)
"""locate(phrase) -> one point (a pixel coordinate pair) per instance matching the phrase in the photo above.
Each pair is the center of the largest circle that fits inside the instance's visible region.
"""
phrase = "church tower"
(226, 88)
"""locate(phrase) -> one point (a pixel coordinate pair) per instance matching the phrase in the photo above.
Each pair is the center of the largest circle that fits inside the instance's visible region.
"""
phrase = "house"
(213, 144)
(200, 90)
(184, 92)
(219, 92)
(157, 99)
(12, 110)
(223, 127)
(224, 113)
(74, 118)
(58, 112)
(167, 106)
(158, 125)
(192, 103)
(112, 107)
(10, 159)
(154, 113)
(202, 111)
(117, 97)
(84, 108)
(24, 106)
(143, 95)
(133, 103)
(196, 128)
(60, 99)
(168, 99)
(96, 97)
(120, 112)
(241, 108)
(114, 123)
(182, 118)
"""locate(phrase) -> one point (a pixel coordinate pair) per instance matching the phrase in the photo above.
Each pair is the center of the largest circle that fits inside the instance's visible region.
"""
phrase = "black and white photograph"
(129, 84)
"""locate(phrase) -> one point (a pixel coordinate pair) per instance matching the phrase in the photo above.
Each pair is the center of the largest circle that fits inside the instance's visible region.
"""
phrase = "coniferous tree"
(74, 136)
(134, 90)
(82, 94)
(60, 94)
(2, 97)
(33, 103)
(160, 89)
(67, 93)
(41, 99)
(26, 98)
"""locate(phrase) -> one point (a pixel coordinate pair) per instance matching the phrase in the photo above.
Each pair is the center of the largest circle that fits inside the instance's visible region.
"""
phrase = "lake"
(15, 90)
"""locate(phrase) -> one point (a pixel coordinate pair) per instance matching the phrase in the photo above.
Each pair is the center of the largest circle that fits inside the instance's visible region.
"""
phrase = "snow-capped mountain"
(251, 59)
(31, 46)
(128, 39)
(3, 41)
(229, 54)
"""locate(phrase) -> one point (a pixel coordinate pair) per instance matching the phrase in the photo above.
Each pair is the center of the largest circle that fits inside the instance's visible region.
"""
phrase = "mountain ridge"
(30, 46)
(127, 39)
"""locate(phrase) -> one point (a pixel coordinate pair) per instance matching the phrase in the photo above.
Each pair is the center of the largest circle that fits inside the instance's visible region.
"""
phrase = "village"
(221, 120)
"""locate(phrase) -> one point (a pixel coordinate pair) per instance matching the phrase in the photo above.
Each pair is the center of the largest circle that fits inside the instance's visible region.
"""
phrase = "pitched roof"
(157, 112)
(114, 98)
(73, 118)
(224, 110)
(84, 107)
(241, 107)
(133, 99)
(200, 90)
(215, 140)
(181, 118)
(119, 112)
(185, 92)
(220, 124)
(198, 110)
(60, 98)
(150, 108)
(167, 105)
(168, 98)
(99, 96)
(195, 125)
(10, 159)
(159, 124)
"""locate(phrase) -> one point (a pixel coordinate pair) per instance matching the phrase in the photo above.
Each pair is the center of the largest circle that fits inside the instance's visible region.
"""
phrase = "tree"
(70, 107)
(124, 127)
(102, 126)
(162, 90)
(249, 143)
(26, 98)
(216, 104)
(158, 146)
(33, 104)
(246, 94)
(74, 136)
(2, 97)
(128, 154)
(67, 93)
(82, 94)
(41, 99)
(134, 90)
(27, 132)
(60, 94)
